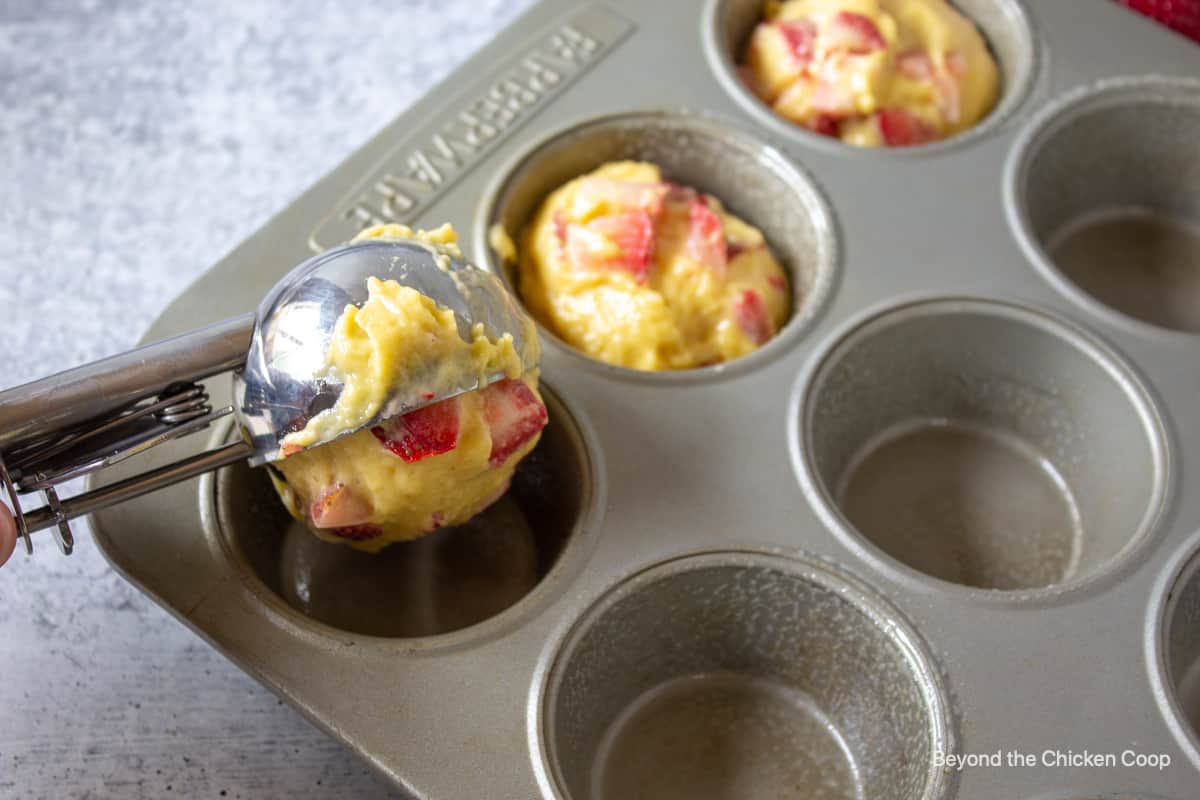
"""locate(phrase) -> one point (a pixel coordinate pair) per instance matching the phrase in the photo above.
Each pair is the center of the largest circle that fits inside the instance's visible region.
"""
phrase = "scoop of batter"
(433, 467)
(872, 72)
(643, 273)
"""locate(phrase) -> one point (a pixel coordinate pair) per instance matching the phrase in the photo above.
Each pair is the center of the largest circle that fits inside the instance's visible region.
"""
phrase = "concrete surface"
(141, 140)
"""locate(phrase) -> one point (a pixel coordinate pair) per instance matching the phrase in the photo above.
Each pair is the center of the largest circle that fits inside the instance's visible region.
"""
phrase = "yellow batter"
(642, 273)
(872, 72)
(437, 466)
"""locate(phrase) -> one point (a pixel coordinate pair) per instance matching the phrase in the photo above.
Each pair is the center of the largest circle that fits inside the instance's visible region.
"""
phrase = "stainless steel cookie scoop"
(84, 419)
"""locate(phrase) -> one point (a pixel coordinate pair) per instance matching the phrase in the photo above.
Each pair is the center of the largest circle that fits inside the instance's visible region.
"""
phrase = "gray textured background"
(141, 140)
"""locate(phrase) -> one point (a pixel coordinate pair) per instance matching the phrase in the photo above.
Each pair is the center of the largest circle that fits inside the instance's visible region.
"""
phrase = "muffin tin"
(944, 514)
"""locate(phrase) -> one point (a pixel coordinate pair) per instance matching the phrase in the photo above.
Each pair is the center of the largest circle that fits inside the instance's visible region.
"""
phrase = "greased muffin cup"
(751, 675)
(982, 444)
(1102, 194)
(950, 510)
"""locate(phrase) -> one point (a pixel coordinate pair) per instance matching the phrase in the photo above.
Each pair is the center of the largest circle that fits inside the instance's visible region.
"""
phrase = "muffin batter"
(872, 72)
(436, 466)
(643, 273)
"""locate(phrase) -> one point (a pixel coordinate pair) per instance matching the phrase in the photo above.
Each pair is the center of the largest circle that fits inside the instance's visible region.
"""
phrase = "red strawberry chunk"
(618, 241)
(419, 434)
(826, 125)
(900, 129)
(956, 63)
(777, 283)
(706, 236)
(801, 37)
(948, 96)
(620, 196)
(829, 96)
(680, 194)
(514, 415)
(339, 507)
(751, 314)
(560, 227)
(357, 533)
(915, 64)
(855, 33)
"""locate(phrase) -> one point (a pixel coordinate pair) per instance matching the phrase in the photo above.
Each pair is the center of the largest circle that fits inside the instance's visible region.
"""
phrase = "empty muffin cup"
(1104, 194)
(981, 443)
(1179, 639)
(1004, 24)
(448, 580)
(740, 674)
(751, 179)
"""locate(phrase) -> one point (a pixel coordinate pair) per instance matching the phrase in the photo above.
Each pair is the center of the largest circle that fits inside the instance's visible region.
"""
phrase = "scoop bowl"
(284, 383)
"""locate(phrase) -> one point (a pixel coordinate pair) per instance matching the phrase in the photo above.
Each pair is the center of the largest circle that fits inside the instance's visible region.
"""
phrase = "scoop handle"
(77, 395)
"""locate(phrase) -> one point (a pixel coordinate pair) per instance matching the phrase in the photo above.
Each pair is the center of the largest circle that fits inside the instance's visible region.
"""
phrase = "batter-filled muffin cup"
(872, 72)
(640, 272)
(434, 467)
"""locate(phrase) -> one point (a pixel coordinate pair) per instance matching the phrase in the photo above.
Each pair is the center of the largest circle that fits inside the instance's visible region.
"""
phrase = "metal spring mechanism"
(42, 464)
(80, 421)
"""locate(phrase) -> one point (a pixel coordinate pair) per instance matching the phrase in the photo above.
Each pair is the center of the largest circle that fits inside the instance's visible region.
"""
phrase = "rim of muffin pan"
(1074, 338)
(1092, 795)
(579, 443)
(1006, 25)
(1043, 130)
(1180, 578)
(802, 232)
(823, 575)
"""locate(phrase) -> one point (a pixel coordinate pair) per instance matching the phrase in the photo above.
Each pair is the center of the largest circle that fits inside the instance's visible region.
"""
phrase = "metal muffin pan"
(686, 548)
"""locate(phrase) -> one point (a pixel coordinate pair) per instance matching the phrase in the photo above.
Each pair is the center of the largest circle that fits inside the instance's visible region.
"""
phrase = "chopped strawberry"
(1179, 15)
(948, 96)
(829, 96)
(915, 64)
(419, 434)
(437, 520)
(826, 125)
(514, 415)
(956, 63)
(900, 129)
(706, 236)
(751, 314)
(680, 194)
(778, 53)
(357, 533)
(800, 36)
(286, 450)
(617, 241)
(777, 283)
(339, 507)
(560, 227)
(605, 196)
(853, 32)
